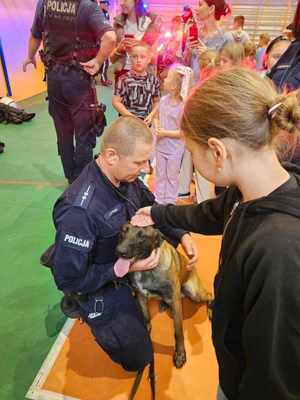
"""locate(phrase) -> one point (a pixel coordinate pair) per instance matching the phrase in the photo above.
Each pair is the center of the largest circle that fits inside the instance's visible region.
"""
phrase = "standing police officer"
(88, 218)
(71, 31)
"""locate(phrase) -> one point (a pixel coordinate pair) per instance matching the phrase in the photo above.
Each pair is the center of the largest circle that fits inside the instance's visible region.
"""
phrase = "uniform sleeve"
(272, 319)
(75, 239)
(207, 217)
(37, 28)
(97, 21)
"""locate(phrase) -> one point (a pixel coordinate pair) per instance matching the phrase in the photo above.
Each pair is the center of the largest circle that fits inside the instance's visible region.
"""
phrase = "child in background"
(274, 51)
(238, 33)
(169, 146)
(264, 40)
(204, 189)
(232, 54)
(207, 63)
(137, 92)
(250, 55)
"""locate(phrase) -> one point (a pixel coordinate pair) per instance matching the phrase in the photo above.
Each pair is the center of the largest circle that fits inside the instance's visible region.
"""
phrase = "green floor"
(31, 179)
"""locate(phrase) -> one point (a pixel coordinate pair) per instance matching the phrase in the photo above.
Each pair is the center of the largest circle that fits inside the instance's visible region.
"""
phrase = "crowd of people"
(196, 41)
(227, 133)
(201, 40)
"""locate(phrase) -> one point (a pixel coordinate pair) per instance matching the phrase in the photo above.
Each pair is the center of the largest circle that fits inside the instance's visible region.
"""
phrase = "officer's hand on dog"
(142, 217)
(148, 263)
(190, 250)
(91, 67)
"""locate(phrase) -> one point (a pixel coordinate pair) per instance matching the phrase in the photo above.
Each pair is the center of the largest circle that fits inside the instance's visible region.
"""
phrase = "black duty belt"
(115, 284)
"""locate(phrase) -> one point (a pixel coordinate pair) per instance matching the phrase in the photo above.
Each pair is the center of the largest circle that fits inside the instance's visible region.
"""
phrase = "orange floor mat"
(83, 371)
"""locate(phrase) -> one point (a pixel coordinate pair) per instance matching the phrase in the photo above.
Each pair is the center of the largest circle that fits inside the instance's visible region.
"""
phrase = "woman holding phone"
(135, 23)
(208, 13)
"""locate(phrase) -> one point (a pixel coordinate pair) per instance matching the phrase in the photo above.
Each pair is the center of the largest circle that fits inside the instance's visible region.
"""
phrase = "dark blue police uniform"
(71, 32)
(88, 218)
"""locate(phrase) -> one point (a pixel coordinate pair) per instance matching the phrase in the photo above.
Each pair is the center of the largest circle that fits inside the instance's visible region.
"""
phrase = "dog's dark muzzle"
(126, 250)
(122, 255)
(123, 252)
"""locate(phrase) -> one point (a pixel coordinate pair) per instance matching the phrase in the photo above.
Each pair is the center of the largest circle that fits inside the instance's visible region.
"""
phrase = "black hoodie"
(256, 313)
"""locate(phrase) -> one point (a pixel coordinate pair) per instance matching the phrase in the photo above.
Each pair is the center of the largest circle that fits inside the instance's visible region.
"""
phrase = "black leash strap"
(151, 378)
(136, 384)
(138, 378)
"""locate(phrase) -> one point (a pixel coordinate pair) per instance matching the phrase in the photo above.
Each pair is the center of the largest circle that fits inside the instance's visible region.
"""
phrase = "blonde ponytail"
(284, 114)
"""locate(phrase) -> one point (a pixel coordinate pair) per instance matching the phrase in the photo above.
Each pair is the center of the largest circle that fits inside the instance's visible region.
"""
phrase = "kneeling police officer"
(71, 31)
(88, 218)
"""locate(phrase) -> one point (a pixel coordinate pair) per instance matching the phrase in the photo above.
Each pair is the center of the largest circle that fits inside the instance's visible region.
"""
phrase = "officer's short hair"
(123, 134)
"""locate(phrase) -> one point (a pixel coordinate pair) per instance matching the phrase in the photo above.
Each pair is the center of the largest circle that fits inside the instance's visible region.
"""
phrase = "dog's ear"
(159, 238)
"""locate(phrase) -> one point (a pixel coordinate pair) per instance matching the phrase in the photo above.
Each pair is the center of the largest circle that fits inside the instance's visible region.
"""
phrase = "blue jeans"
(220, 394)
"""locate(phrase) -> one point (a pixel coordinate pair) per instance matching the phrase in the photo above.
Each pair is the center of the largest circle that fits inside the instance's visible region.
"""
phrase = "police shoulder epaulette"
(85, 195)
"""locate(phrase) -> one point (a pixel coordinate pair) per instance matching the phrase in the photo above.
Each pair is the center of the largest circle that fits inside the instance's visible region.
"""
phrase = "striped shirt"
(138, 92)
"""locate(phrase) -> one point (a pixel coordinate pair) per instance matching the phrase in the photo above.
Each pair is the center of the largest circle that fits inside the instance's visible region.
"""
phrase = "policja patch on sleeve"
(76, 242)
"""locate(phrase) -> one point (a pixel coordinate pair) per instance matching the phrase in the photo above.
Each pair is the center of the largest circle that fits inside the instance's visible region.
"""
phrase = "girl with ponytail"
(230, 124)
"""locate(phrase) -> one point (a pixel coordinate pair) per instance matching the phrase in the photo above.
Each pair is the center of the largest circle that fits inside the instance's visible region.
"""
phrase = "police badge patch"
(77, 242)
(61, 9)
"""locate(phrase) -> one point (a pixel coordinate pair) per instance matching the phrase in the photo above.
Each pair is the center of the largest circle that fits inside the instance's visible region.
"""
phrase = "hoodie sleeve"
(271, 330)
(208, 217)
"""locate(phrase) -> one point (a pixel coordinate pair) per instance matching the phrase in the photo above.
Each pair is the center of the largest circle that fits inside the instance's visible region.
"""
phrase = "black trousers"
(71, 98)
(118, 325)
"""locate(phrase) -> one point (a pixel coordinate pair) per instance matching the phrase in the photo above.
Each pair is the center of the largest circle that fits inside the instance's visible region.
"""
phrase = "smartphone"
(128, 36)
(193, 33)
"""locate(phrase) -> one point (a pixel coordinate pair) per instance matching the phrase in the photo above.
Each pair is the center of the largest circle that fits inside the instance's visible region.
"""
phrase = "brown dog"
(167, 281)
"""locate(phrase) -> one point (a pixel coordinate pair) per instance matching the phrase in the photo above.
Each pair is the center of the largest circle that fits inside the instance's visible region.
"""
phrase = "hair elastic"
(273, 109)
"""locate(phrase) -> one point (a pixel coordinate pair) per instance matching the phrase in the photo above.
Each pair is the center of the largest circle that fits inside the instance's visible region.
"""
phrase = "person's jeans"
(220, 394)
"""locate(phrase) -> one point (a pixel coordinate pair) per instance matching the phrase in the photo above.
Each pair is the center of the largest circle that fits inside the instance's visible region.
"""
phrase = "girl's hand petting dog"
(142, 217)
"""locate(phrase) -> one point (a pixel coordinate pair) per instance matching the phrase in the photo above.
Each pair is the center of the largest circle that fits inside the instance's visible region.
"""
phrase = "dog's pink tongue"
(121, 267)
